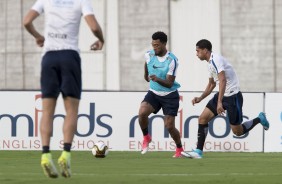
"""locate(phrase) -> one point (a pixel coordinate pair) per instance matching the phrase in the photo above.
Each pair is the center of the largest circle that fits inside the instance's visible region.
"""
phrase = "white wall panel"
(92, 70)
(191, 21)
(273, 108)
(112, 81)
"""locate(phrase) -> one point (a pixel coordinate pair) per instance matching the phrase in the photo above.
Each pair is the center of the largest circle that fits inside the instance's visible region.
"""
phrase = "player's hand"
(196, 100)
(98, 45)
(147, 78)
(40, 41)
(153, 78)
(220, 109)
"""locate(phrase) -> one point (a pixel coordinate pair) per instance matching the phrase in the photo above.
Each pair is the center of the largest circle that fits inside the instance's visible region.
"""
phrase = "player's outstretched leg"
(65, 164)
(145, 146)
(197, 154)
(263, 121)
(48, 165)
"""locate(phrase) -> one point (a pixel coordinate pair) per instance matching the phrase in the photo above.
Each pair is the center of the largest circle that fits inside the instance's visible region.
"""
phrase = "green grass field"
(154, 167)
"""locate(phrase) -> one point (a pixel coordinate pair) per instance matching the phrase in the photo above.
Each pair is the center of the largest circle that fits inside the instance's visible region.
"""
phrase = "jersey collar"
(211, 57)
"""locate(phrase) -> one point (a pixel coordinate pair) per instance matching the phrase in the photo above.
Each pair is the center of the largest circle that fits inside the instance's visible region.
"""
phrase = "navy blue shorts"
(169, 103)
(232, 104)
(61, 72)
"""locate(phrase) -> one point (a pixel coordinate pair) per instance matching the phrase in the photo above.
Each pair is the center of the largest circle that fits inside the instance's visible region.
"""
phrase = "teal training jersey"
(161, 69)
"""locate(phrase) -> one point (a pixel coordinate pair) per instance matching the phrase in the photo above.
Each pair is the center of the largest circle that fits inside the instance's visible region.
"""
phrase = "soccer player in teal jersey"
(160, 71)
(228, 98)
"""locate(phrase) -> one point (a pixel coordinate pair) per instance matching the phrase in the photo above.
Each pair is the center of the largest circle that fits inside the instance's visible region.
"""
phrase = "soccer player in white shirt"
(228, 98)
(61, 69)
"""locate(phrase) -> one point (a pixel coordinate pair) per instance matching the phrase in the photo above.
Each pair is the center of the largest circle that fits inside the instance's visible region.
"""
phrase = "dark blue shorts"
(61, 72)
(169, 103)
(232, 104)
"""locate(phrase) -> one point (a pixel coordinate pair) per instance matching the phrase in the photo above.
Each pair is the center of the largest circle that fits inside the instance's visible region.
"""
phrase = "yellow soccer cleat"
(48, 166)
(65, 164)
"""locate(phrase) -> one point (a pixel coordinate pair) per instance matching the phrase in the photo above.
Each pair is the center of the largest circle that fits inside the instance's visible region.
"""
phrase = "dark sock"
(145, 131)
(249, 125)
(179, 145)
(202, 134)
(67, 147)
(46, 149)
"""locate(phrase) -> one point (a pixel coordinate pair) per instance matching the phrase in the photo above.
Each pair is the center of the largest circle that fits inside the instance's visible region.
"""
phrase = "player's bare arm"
(96, 30)
(211, 85)
(222, 86)
(146, 73)
(27, 22)
(168, 82)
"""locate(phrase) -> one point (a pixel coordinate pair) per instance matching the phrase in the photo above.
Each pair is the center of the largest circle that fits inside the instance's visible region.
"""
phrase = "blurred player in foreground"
(160, 70)
(228, 98)
(61, 70)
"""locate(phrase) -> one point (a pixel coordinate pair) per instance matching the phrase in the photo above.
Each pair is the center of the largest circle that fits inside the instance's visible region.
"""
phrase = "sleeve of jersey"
(87, 8)
(173, 67)
(219, 65)
(38, 6)
(209, 73)
(147, 57)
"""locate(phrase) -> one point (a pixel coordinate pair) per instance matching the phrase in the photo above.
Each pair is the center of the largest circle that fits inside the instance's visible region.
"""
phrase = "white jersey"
(217, 64)
(62, 20)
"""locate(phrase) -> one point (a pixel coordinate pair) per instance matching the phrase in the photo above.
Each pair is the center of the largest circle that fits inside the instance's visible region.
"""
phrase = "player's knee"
(168, 126)
(237, 132)
(143, 112)
(202, 120)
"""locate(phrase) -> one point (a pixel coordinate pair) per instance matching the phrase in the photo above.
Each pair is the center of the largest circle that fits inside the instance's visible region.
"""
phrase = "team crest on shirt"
(169, 59)
(63, 3)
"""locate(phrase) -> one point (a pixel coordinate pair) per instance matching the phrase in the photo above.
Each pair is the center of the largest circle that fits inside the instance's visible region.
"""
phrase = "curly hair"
(159, 35)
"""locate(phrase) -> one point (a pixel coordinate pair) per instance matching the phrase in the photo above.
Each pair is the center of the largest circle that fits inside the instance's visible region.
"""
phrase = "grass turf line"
(153, 167)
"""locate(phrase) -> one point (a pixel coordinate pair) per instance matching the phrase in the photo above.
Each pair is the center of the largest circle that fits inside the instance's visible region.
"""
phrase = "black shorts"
(232, 104)
(61, 72)
(169, 103)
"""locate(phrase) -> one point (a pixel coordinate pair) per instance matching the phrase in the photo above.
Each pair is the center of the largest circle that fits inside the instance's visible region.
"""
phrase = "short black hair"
(204, 44)
(159, 35)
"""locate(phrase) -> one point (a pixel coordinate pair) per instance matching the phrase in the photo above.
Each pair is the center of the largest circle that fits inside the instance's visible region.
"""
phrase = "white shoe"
(195, 154)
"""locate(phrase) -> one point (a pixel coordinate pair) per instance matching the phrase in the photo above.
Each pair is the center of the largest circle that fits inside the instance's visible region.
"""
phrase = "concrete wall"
(278, 45)
(11, 60)
(247, 32)
(138, 20)
(20, 58)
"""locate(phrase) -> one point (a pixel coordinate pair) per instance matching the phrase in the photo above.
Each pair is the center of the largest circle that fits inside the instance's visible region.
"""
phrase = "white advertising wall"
(111, 117)
(273, 108)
